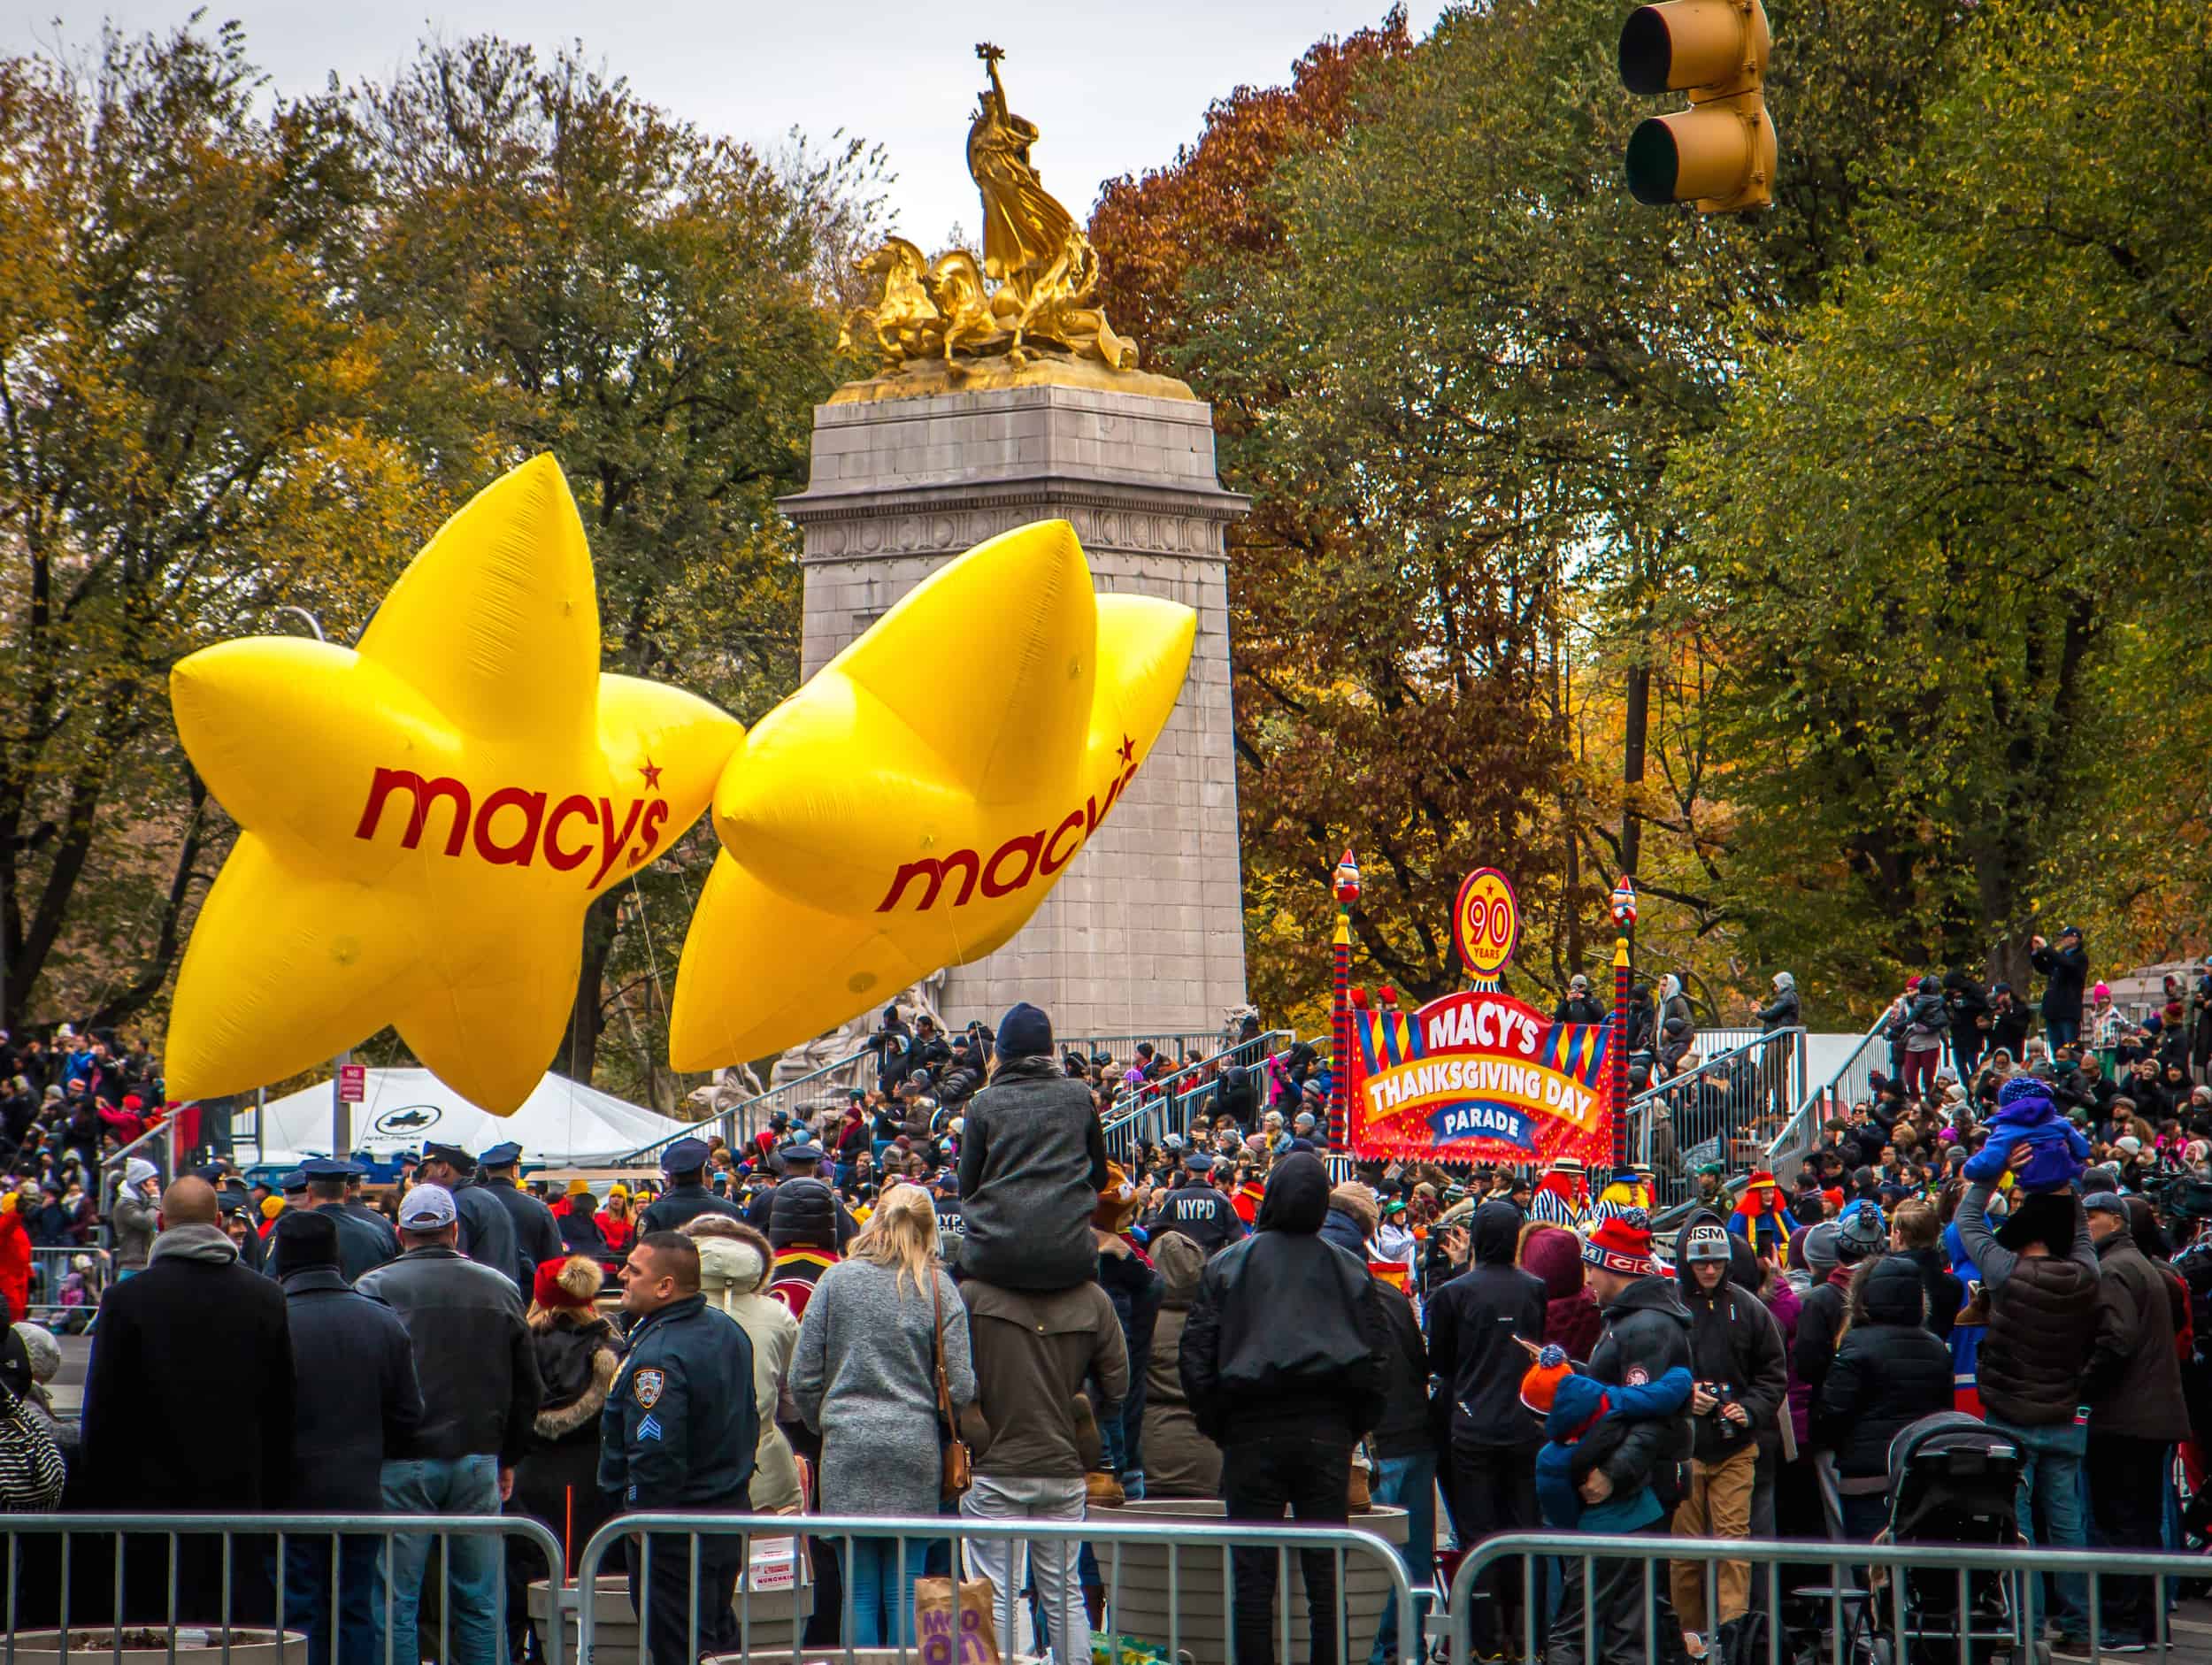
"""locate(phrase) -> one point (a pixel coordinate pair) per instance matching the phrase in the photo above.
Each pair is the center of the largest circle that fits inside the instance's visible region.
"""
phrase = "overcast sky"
(1115, 87)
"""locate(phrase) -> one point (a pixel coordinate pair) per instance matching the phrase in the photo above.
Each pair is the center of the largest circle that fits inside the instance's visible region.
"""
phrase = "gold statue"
(1044, 266)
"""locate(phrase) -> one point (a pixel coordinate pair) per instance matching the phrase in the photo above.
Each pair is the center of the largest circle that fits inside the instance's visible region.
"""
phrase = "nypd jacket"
(1198, 1210)
(680, 1429)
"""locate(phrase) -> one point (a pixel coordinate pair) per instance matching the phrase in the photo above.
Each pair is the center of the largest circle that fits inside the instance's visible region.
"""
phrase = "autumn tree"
(644, 301)
(193, 429)
(1449, 358)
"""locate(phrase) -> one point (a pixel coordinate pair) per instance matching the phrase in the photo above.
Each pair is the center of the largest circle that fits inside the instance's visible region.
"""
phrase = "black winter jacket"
(680, 1428)
(1033, 1160)
(473, 1357)
(2068, 969)
(1819, 1323)
(487, 1233)
(537, 1234)
(194, 1343)
(801, 1212)
(2133, 1385)
(680, 1205)
(1733, 1339)
(1405, 1429)
(1197, 1209)
(355, 1402)
(2042, 1321)
(1286, 1335)
(1945, 1293)
(1647, 1334)
(1888, 1371)
(1473, 1321)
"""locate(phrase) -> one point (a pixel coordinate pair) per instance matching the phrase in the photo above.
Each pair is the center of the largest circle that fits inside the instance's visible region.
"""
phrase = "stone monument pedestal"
(1144, 933)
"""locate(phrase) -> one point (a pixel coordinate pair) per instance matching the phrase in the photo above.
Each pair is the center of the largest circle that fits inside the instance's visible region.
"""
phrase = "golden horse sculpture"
(1043, 264)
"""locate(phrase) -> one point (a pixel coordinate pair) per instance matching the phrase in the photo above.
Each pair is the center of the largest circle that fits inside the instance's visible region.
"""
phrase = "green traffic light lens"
(1654, 164)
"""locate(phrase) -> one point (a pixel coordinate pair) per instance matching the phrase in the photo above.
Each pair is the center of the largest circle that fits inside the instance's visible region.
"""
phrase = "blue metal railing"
(1163, 1107)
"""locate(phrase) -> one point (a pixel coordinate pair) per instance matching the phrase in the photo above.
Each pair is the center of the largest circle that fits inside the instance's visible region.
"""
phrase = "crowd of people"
(821, 1316)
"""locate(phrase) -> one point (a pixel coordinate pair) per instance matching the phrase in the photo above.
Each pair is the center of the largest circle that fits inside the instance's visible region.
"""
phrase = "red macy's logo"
(1031, 853)
(530, 828)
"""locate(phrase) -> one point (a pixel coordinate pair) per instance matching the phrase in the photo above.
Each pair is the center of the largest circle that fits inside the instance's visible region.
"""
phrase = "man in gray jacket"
(480, 1392)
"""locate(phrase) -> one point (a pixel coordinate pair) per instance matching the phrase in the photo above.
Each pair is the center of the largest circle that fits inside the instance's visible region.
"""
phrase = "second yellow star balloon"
(912, 804)
(425, 818)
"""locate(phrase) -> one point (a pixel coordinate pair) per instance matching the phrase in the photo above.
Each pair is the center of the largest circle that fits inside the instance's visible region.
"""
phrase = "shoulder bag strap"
(944, 1387)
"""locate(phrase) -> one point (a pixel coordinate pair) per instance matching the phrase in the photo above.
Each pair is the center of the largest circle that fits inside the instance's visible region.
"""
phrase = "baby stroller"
(1952, 1479)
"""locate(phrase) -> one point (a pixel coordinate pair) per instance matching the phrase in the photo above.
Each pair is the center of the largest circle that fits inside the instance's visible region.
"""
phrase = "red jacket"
(15, 1263)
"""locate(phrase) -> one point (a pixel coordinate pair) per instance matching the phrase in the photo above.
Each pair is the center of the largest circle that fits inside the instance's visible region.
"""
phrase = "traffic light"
(1718, 153)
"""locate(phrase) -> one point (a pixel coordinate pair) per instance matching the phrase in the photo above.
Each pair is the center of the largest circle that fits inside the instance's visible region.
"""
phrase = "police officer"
(357, 1206)
(952, 1223)
(678, 1434)
(1196, 1209)
(800, 1209)
(361, 1247)
(686, 1197)
(488, 1236)
(537, 1234)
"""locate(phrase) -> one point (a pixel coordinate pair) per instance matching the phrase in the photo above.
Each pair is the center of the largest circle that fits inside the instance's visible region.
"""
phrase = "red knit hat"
(1621, 1243)
(572, 1283)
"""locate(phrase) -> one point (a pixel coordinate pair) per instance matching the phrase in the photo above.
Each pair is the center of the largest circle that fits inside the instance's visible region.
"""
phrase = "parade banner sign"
(1479, 1076)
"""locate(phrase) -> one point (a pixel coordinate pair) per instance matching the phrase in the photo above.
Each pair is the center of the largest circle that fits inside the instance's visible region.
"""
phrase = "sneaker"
(2073, 1642)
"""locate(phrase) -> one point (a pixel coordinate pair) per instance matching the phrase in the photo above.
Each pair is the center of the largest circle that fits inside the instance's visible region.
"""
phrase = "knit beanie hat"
(1541, 1385)
(1621, 1243)
(1023, 1032)
(1860, 1233)
(2028, 1094)
(572, 1284)
(303, 1238)
(1819, 1248)
(1705, 1242)
(579, 1186)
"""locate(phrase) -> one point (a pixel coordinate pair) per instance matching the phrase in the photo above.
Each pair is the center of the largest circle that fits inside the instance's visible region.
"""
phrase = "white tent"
(562, 1123)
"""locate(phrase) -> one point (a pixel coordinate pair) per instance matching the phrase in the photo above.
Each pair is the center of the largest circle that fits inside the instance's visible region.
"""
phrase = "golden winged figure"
(1033, 250)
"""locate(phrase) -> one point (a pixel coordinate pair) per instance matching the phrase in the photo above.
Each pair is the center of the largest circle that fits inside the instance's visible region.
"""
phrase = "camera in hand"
(1724, 1395)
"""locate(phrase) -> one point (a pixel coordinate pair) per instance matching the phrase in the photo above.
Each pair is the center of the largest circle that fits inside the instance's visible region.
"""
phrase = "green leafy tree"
(1944, 530)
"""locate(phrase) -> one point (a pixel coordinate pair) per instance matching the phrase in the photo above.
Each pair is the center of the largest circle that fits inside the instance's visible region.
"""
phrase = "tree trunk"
(587, 1018)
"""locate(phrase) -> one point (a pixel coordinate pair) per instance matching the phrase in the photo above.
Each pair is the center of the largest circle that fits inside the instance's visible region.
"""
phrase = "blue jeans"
(882, 1594)
(2050, 1511)
(2060, 1031)
(1410, 1483)
(307, 1605)
(473, 1587)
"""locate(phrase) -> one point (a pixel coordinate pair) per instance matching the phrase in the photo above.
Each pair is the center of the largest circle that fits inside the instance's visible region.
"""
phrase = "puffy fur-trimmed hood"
(732, 1264)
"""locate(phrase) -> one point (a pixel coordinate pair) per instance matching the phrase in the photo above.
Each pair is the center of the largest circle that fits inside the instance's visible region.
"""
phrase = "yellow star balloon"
(426, 818)
(912, 804)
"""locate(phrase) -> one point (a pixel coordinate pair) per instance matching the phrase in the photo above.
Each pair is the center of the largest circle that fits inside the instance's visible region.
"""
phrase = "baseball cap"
(426, 1208)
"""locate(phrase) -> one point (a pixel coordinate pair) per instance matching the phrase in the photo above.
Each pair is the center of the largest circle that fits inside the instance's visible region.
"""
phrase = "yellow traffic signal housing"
(1718, 153)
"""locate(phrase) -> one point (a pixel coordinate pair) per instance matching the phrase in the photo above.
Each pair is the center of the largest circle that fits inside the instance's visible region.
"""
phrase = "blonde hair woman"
(865, 1378)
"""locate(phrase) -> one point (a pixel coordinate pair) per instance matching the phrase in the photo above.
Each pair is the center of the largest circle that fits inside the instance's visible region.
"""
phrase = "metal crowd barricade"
(50, 1264)
(249, 1550)
(1106, 1539)
(1878, 1604)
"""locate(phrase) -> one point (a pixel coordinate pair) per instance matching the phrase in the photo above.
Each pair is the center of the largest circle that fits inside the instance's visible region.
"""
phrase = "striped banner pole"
(1341, 1065)
(1624, 918)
